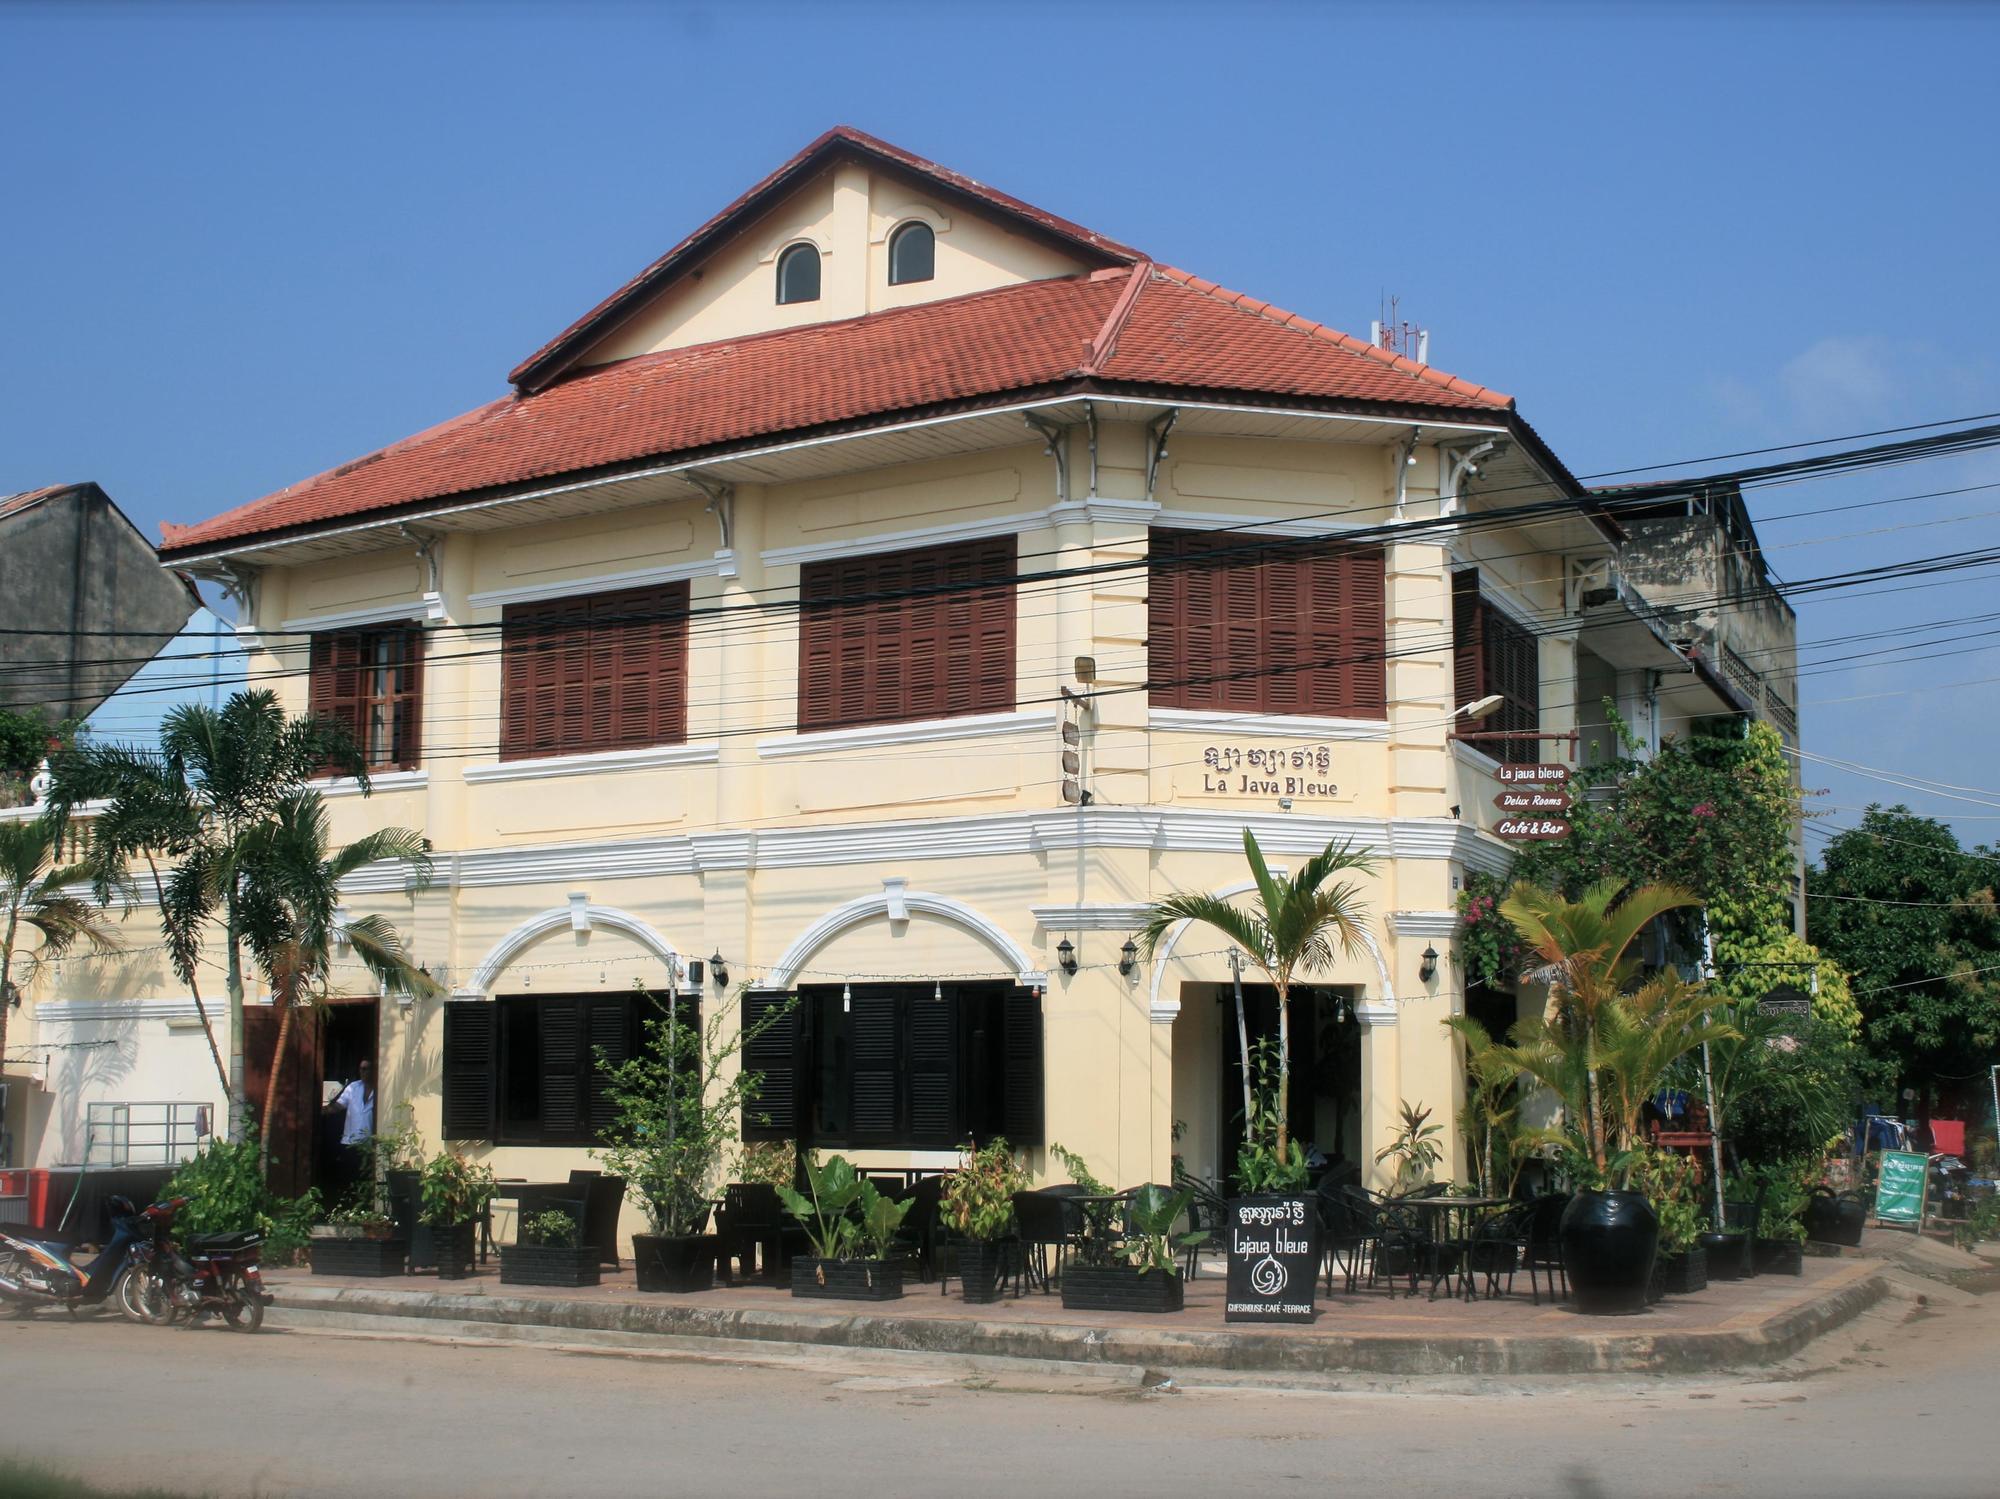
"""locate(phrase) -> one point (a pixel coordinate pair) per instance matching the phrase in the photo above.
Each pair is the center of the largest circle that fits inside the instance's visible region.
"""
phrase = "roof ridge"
(1275, 314)
(877, 318)
(1100, 349)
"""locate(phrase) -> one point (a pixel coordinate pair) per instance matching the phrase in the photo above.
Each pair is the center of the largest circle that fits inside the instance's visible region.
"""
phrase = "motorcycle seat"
(229, 1243)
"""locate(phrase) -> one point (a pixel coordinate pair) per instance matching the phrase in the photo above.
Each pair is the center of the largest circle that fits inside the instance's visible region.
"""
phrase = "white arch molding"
(564, 918)
(897, 904)
(1164, 1011)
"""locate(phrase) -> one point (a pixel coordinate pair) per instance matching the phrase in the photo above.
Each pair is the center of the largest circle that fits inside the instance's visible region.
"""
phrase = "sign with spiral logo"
(1273, 1250)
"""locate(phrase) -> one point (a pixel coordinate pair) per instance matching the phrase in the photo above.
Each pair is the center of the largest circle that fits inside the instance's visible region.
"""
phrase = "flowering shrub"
(1487, 942)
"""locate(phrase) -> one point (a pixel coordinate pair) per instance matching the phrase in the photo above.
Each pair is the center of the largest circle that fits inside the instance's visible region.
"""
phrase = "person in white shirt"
(357, 1101)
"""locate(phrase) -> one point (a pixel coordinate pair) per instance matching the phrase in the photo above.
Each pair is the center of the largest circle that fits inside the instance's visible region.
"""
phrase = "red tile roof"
(9, 503)
(559, 354)
(1151, 329)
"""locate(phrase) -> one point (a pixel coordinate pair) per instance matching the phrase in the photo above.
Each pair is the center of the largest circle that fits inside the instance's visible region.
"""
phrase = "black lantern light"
(1128, 957)
(1429, 970)
(718, 969)
(1066, 955)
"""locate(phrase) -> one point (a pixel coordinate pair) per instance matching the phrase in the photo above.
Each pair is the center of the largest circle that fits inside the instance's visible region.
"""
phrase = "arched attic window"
(798, 274)
(912, 254)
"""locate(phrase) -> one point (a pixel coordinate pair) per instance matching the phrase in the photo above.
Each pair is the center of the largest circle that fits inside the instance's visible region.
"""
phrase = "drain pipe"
(1409, 458)
(1708, 1078)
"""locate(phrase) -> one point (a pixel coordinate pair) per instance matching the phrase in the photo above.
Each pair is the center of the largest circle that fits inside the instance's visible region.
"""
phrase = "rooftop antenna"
(1397, 334)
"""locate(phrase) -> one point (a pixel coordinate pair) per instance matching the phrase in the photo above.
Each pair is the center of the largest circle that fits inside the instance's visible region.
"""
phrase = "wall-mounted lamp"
(1128, 958)
(1429, 970)
(1066, 955)
(718, 970)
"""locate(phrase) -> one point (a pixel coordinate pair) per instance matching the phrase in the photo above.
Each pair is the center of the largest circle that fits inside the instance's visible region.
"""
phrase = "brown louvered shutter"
(604, 672)
(408, 732)
(907, 635)
(1513, 669)
(1363, 641)
(1166, 619)
(1468, 648)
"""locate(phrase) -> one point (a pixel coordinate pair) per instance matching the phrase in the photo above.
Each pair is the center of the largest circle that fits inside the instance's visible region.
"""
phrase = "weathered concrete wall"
(72, 570)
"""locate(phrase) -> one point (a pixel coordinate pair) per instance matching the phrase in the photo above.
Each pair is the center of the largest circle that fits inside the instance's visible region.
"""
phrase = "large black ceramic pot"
(1609, 1240)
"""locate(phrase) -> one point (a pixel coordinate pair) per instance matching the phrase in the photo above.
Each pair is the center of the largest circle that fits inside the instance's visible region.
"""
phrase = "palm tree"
(33, 894)
(1491, 1114)
(1302, 925)
(1587, 960)
(193, 803)
(288, 909)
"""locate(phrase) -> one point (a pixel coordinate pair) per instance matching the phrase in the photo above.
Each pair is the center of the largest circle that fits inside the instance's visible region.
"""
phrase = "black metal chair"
(1401, 1240)
(1498, 1246)
(1207, 1214)
(750, 1231)
(1543, 1255)
(1047, 1229)
(603, 1199)
(1347, 1239)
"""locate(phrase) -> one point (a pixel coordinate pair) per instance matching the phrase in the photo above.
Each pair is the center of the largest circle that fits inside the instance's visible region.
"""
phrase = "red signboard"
(1532, 829)
(1547, 803)
(1553, 775)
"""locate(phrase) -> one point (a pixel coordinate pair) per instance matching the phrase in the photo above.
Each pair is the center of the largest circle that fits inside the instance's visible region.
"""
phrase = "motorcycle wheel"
(143, 1297)
(244, 1316)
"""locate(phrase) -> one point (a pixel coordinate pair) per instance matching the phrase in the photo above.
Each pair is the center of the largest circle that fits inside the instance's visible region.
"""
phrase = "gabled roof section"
(556, 357)
(1146, 330)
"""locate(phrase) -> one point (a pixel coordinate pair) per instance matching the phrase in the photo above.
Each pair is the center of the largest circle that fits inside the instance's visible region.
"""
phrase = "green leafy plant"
(1981, 1224)
(1260, 1165)
(554, 1229)
(1488, 946)
(1668, 1179)
(401, 1148)
(772, 1163)
(226, 1194)
(977, 1201)
(1079, 1171)
(1151, 1214)
(1097, 1227)
(1787, 1190)
(455, 1190)
(1416, 1150)
(35, 898)
(825, 1207)
(675, 1113)
(1490, 1119)
(881, 1216)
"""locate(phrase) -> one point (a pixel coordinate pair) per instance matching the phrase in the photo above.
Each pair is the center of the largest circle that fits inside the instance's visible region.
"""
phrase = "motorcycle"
(39, 1271)
(211, 1274)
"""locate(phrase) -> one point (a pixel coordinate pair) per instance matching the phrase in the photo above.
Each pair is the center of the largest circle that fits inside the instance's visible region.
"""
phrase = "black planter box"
(367, 1258)
(1836, 1218)
(1683, 1274)
(1120, 1288)
(455, 1247)
(847, 1280)
(679, 1265)
(1725, 1256)
(1780, 1257)
(979, 1265)
(547, 1265)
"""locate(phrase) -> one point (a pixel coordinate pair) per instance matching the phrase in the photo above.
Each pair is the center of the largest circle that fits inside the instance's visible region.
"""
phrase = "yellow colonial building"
(880, 599)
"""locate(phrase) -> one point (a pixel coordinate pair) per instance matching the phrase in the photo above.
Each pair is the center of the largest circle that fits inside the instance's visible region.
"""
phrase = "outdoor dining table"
(1443, 1214)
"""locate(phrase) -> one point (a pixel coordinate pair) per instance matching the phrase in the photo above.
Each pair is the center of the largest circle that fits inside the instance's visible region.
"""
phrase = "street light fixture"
(1429, 970)
(1066, 956)
(1128, 958)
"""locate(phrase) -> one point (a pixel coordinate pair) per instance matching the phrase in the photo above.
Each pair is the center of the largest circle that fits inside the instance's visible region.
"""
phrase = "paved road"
(1900, 1404)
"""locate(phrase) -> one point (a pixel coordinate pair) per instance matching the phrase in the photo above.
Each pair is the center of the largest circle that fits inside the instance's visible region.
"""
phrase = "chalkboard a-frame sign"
(1273, 1249)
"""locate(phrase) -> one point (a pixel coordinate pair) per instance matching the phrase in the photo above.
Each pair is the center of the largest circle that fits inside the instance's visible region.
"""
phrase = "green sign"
(1899, 1194)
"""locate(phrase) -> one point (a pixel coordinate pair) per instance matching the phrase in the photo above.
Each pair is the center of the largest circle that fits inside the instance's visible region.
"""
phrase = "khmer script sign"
(1234, 770)
(1273, 1254)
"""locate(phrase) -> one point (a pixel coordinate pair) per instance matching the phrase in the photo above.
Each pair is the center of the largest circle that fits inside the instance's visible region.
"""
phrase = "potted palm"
(551, 1252)
(977, 1205)
(1781, 1228)
(1605, 1051)
(1131, 1266)
(674, 1116)
(455, 1194)
(850, 1232)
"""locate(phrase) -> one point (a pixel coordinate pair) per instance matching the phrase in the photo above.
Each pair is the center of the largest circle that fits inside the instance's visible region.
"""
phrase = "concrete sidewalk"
(1730, 1325)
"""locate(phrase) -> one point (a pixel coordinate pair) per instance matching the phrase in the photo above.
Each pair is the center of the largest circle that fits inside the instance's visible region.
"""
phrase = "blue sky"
(245, 243)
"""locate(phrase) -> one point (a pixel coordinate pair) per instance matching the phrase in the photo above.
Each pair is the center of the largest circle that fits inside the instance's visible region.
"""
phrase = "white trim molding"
(1265, 725)
(349, 619)
(1424, 923)
(898, 541)
(881, 907)
(529, 593)
(92, 1011)
(1091, 918)
(922, 731)
(602, 762)
(387, 781)
(558, 919)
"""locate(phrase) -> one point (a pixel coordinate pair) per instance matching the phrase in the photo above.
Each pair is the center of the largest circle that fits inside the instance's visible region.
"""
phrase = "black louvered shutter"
(470, 1033)
(774, 1052)
(873, 1092)
(1021, 1103)
(562, 1031)
(934, 1050)
(612, 1026)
